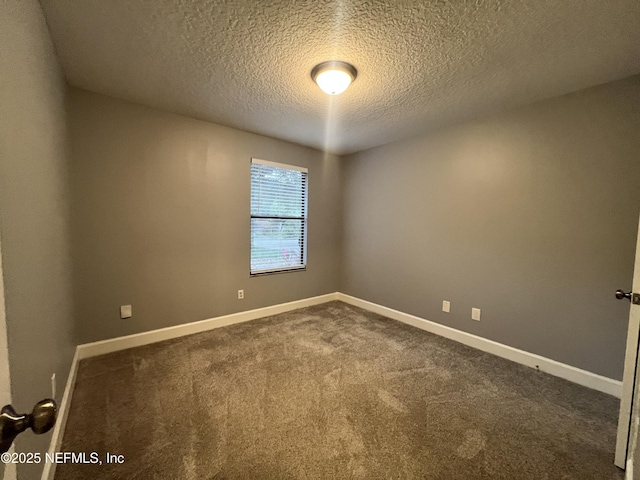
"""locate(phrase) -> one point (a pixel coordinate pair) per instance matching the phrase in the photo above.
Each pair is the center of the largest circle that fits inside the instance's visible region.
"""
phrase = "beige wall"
(33, 213)
(161, 218)
(530, 215)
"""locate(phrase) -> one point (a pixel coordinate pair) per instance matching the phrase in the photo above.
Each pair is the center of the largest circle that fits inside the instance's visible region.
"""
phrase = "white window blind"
(278, 217)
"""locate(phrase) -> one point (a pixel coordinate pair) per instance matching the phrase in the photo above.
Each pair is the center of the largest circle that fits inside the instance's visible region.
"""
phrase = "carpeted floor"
(332, 391)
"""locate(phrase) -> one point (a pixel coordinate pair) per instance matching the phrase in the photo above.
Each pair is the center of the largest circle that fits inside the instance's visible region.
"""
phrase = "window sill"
(261, 273)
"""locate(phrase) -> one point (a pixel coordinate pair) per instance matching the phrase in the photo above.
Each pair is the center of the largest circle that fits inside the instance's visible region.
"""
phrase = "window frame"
(303, 219)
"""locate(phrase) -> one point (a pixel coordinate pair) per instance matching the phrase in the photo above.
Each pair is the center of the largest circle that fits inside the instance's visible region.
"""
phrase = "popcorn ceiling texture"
(421, 64)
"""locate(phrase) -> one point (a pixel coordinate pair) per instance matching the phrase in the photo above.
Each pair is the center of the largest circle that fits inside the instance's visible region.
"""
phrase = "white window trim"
(279, 165)
(257, 273)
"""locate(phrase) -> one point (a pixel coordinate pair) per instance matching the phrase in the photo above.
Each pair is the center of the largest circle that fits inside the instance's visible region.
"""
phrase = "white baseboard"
(63, 412)
(10, 469)
(552, 367)
(121, 343)
(573, 374)
(558, 369)
(144, 338)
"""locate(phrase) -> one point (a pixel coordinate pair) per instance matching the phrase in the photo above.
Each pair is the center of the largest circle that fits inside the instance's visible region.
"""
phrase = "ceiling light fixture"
(334, 77)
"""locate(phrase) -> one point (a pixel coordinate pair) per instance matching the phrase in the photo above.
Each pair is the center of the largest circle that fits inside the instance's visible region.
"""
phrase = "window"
(278, 217)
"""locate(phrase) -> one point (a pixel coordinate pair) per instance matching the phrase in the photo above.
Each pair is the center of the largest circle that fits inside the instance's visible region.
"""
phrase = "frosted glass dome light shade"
(333, 77)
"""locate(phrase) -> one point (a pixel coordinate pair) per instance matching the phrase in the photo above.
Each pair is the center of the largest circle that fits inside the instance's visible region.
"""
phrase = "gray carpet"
(332, 391)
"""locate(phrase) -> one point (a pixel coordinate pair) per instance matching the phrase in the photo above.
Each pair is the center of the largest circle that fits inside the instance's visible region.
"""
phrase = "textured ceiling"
(421, 64)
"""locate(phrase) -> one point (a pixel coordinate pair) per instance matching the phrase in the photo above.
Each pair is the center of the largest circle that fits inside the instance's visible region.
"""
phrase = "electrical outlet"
(475, 314)
(53, 386)
(446, 306)
(125, 311)
(240, 294)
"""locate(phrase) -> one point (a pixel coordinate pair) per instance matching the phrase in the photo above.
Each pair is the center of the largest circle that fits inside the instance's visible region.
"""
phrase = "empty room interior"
(340, 239)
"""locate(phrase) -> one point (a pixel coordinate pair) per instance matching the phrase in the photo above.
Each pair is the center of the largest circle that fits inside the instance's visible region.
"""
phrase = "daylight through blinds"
(278, 217)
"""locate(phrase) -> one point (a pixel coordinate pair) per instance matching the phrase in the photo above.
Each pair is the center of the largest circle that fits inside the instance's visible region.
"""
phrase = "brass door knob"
(40, 420)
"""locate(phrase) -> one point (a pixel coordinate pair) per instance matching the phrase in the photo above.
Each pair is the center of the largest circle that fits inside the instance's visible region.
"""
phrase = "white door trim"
(63, 413)
(630, 365)
(10, 472)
